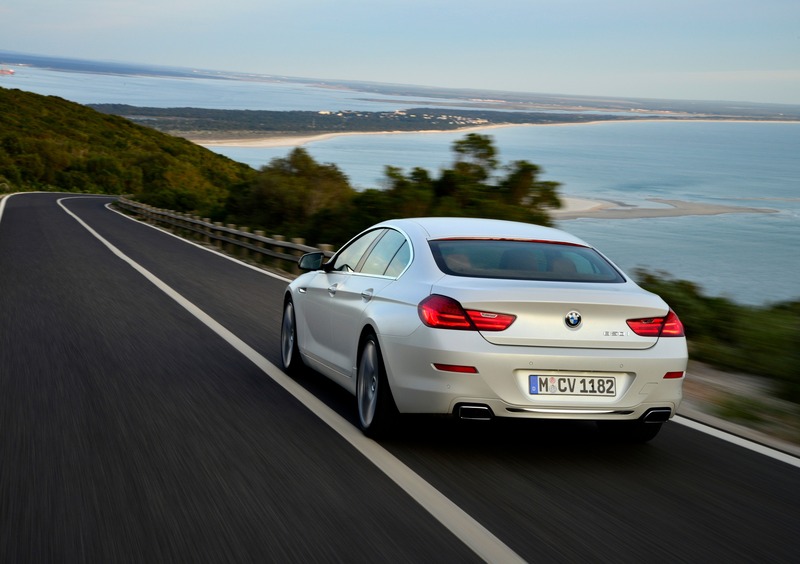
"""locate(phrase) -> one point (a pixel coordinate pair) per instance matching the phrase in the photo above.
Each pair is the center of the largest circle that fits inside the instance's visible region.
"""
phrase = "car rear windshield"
(522, 260)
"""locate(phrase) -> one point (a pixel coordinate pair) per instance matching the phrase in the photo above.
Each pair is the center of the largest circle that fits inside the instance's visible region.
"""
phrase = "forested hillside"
(194, 122)
(48, 143)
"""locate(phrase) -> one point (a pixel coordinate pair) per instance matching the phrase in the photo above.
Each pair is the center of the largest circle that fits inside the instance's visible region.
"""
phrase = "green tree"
(408, 196)
(471, 187)
(476, 156)
(285, 195)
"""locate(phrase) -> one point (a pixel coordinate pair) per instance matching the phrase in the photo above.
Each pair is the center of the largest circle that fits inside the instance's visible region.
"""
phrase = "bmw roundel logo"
(573, 319)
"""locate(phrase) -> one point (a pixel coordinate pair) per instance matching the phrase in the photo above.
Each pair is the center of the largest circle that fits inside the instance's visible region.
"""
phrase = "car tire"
(377, 412)
(629, 431)
(290, 353)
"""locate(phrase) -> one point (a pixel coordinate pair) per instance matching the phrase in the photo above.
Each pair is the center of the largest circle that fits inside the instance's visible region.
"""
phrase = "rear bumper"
(502, 379)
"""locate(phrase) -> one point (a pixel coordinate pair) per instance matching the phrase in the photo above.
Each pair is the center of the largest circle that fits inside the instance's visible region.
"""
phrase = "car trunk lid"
(569, 315)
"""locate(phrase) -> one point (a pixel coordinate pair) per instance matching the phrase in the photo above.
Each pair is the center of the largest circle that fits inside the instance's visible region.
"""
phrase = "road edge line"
(738, 441)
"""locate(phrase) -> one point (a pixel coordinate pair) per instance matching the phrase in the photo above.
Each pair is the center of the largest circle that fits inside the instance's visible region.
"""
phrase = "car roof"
(469, 227)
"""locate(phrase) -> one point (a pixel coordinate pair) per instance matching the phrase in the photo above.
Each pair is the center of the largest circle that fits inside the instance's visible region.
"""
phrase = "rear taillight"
(669, 326)
(442, 312)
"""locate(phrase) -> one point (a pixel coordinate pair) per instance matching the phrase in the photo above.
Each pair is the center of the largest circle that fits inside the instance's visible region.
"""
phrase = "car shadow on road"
(497, 437)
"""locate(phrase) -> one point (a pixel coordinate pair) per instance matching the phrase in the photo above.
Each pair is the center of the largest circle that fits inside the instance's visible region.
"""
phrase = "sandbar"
(299, 140)
(577, 208)
(257, 140)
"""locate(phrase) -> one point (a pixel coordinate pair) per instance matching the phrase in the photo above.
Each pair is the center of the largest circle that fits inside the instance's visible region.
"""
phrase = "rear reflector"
(669, 375)
(455, 368)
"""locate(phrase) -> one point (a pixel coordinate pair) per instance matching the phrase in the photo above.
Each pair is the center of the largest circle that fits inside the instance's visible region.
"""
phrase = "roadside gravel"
(741, 404)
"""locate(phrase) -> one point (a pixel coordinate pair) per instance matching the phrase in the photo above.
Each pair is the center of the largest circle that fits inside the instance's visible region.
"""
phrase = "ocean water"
(752, 258)
(258, 93)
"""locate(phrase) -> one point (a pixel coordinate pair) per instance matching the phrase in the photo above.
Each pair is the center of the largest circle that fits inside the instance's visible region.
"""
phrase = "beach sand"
(576, 208)
(572, 208)
(299, 140)
(205, 139)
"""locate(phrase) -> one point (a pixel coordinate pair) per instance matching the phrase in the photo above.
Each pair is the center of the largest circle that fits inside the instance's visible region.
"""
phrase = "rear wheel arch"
(376, 406)
(289, 342)
(366, 331)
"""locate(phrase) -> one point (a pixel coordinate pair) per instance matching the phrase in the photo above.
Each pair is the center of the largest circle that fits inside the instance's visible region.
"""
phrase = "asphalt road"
(142, 419)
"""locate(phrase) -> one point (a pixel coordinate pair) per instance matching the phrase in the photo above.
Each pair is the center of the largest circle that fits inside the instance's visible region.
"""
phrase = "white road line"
(739, 441)
(463, 526)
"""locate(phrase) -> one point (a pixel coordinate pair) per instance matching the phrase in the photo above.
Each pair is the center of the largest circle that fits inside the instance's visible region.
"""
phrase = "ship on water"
(6, 71)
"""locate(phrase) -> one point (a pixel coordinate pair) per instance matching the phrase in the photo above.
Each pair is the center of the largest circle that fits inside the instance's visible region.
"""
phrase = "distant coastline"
(280, 128)
(298, 139)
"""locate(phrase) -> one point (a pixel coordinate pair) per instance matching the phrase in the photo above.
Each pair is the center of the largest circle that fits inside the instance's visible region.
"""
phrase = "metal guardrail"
(272, 251)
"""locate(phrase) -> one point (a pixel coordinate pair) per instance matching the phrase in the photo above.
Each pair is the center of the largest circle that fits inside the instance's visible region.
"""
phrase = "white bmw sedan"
(481, 318)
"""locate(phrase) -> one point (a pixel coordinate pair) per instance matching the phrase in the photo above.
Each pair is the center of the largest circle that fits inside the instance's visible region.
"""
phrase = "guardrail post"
(217, 232)
(246, 240)
(278, 249)
(260, 244)
(195, 233)
(230, 247)
(297, 253)
(206, 237)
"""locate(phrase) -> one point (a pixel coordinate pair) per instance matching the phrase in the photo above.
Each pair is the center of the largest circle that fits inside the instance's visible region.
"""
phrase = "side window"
(400, 261)
(383, 254)
(348, 258)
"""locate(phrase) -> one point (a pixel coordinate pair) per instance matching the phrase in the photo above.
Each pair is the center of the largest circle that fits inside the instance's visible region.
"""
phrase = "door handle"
(332, 289)
(366, 295)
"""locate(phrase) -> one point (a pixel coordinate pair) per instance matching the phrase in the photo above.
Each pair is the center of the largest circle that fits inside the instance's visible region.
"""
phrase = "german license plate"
(572, 385)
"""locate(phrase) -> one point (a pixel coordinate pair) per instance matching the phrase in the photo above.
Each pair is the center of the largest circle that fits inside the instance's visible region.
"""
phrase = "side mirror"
(311, 261)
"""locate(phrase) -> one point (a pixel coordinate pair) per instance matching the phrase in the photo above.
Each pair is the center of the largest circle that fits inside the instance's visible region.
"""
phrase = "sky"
(737, 50)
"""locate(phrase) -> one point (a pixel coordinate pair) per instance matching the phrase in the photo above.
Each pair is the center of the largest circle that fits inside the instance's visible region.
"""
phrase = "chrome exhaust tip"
(474, 412)
(657, 415)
